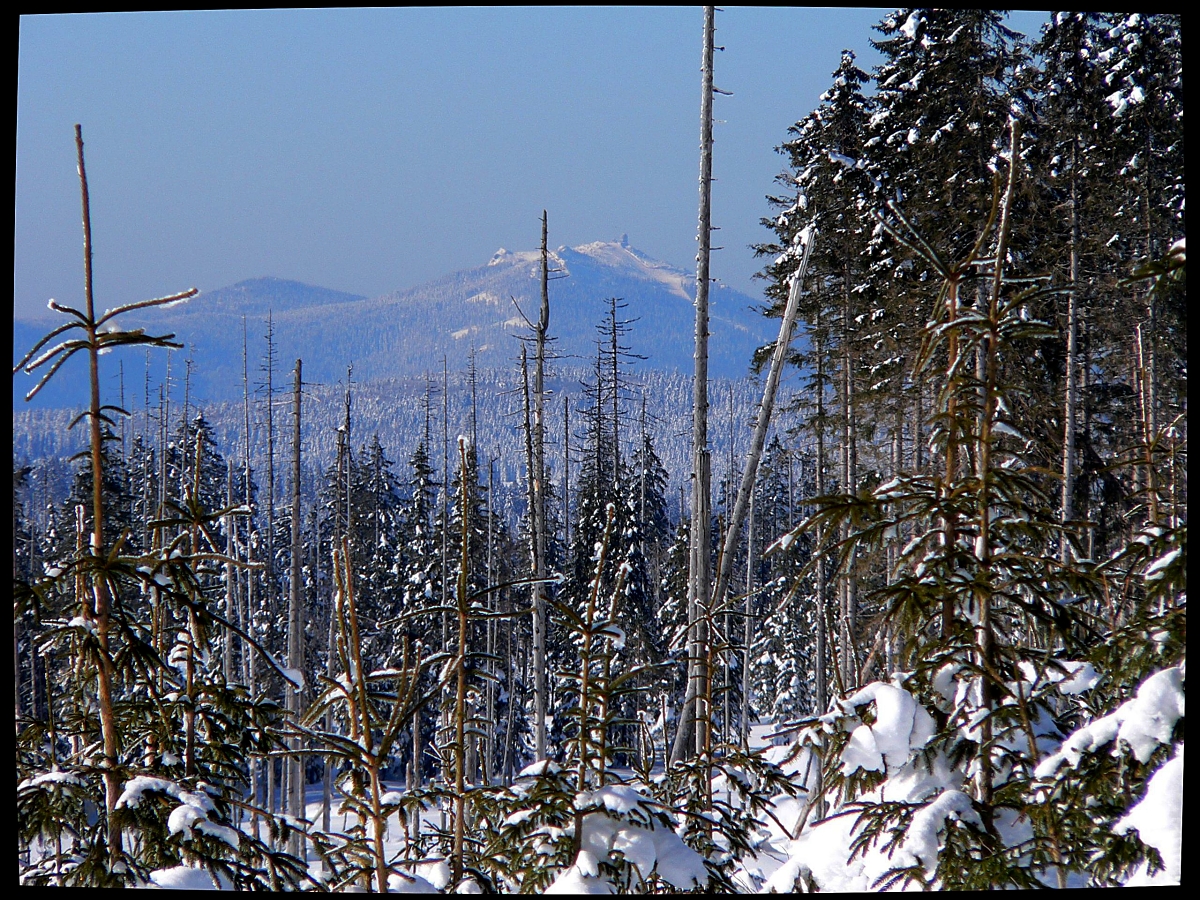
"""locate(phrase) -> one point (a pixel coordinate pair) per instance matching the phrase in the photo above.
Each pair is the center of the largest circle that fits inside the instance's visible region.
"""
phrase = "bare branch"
(54, 368)
(142, 304)
(45, 340)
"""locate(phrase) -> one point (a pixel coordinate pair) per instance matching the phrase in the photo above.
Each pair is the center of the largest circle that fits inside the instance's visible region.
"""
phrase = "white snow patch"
(645, 849)
(404, 883)
(81, 622)
(436, 873)
(50, 778)
(184, 878)
(1141, 723)
(541, 767)
(921, 841)
(901, 727)
(1158, 820)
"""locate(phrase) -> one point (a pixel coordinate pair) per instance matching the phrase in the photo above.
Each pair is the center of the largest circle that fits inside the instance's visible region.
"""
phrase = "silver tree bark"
(699, 537)
(295, 634)
(538, 477)
(765, 410)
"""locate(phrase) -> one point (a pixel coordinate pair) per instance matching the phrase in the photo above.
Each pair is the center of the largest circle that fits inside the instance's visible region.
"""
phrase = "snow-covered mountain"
(478, 308)
(407, 333)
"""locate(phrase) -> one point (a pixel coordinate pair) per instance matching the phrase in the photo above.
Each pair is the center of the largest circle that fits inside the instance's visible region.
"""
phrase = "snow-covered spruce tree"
(642, 544)
(1143, 67)
(849, 341)
(581, 826)
(419, 582)
(375, 540)
(84, 814)
(118, 501)
(598, 485)
(783, 660)
(419, 559)
(1071, 161)
(194, 440)
(951, 774)
(671, 623)
(489, 572)
(1109, 134)
(944, 91)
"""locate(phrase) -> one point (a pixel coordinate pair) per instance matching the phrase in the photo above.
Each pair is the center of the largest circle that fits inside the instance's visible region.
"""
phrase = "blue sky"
(371, 150)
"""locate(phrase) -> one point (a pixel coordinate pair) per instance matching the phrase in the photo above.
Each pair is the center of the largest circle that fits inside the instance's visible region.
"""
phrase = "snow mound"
(1158, 820)
(1141, 724)
(901, 727)
(185, 878)
(403, 883)
(646, 849)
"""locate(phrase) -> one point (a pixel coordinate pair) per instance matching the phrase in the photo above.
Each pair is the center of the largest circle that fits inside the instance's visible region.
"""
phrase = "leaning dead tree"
(765, 409)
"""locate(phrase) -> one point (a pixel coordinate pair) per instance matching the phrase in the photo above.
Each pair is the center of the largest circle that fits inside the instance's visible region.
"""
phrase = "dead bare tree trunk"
(295, 633)
(700, 535)
(230, 592)
(822, 599)
(747, 626)
(460, 663)
(247, 658)
(16, 635)
(270, 581)
(538, 477)
(765, 410)
(1071, 392)
(566, 481)
(539, 636)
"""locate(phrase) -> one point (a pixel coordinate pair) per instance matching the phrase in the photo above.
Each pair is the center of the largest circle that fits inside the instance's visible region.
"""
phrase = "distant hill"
(258, 296)
(210, 326)
(406, 333)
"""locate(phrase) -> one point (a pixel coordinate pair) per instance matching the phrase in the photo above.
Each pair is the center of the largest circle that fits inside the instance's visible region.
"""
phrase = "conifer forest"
(926, 631)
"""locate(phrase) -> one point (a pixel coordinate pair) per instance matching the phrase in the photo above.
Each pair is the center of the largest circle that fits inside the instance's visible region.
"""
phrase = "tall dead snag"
(539, 634)
(848, 618)
(269, 581)
(248, 659)
(1070, 394)
(462, 606)
(16, 637)
(230, 582)
(538, 476)
(97, 339)
(295, 632)
(698, 543)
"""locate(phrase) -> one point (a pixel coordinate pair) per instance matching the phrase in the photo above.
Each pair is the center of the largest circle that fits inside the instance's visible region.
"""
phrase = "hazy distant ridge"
(407, 333)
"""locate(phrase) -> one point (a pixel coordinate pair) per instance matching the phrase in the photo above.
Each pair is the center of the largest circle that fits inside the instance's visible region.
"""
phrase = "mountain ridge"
(479, 310)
